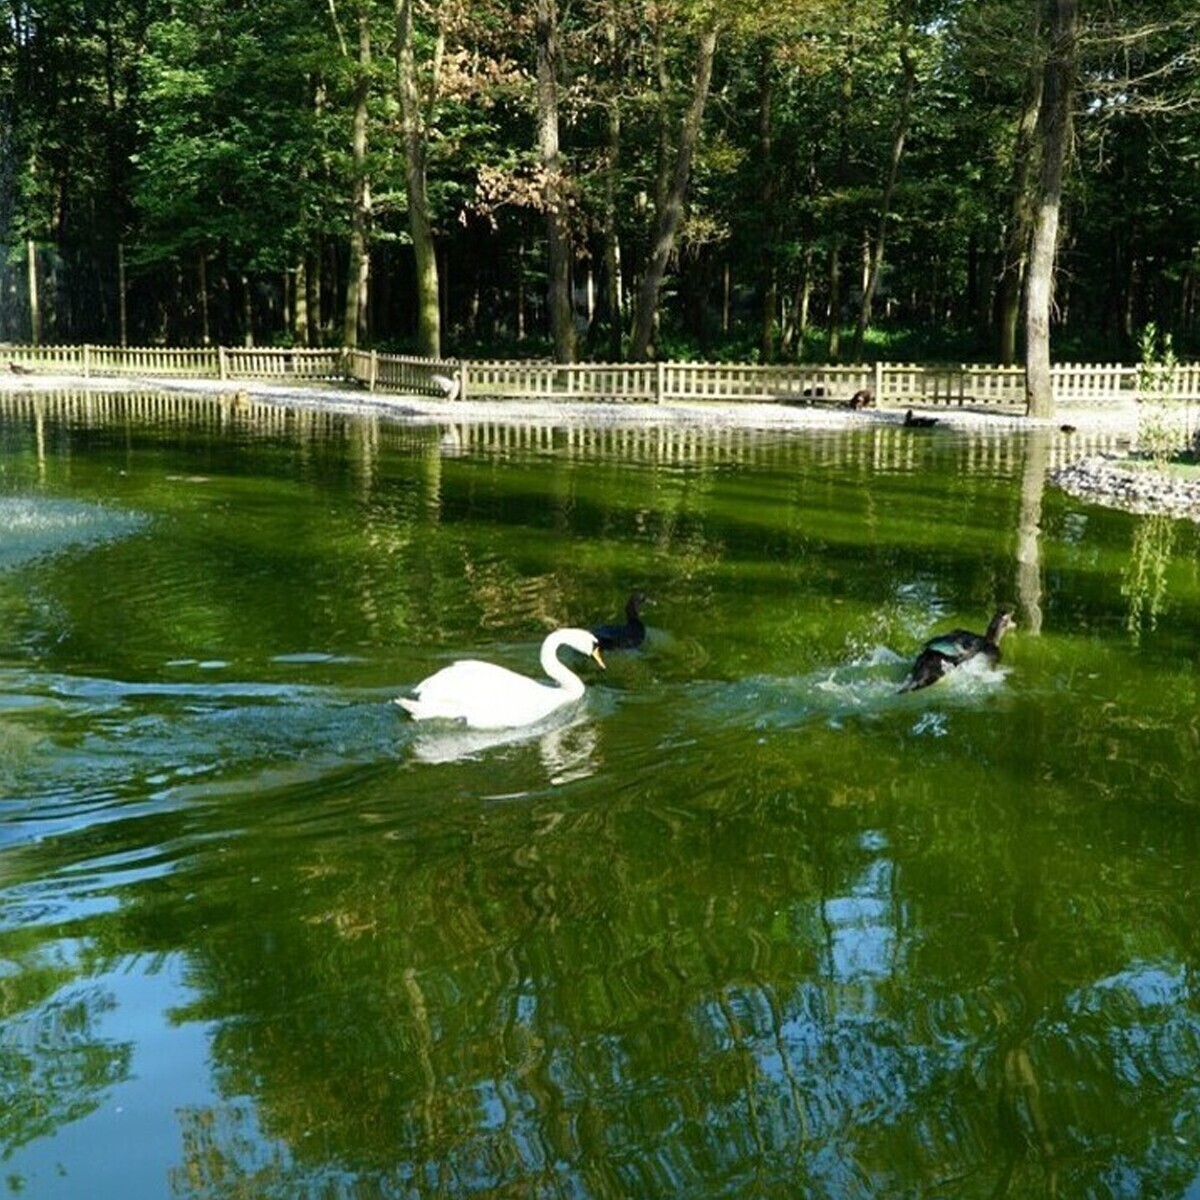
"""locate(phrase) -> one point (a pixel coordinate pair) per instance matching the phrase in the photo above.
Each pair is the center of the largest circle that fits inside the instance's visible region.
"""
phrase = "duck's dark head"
(634, 605)
(1002, 622)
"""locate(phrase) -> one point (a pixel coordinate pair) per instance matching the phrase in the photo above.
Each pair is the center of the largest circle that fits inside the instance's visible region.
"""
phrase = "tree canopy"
(600, 178)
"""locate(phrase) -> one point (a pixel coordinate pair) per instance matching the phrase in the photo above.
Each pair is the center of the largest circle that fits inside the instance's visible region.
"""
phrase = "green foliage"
(232, 124)
(1144, 580)
(1157, 430)
(223, 129)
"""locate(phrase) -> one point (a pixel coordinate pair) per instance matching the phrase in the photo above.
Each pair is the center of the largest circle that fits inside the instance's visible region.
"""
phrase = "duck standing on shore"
(947, 651)
(914, 422)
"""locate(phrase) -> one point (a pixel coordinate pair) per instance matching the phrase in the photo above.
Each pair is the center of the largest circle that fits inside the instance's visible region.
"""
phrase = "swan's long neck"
(557, 670)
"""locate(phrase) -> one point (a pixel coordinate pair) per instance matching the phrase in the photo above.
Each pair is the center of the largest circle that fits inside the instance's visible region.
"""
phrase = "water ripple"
(36, 526)
(85, 747)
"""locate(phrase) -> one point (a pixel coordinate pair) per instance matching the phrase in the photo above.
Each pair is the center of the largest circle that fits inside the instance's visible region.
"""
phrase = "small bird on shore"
(948, 651)
(450, 388)
(18, 369)
(863, 398)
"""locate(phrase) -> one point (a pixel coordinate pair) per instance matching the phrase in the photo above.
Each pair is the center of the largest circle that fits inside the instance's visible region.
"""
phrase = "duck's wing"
(957, 646)
(929, 668)
(464, 685)
(457, 675)
(483, 694)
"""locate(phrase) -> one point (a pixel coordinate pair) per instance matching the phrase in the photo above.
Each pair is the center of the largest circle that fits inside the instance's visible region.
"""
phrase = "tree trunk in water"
(420, 228)
(875, 251)
(671, 213)
(1029, 532)
(1054, 130)
(354, 322)
(558, 228)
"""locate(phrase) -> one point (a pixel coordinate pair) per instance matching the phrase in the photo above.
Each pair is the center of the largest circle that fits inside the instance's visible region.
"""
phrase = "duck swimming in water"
(630, 635)
(943, 653)
(487, 696)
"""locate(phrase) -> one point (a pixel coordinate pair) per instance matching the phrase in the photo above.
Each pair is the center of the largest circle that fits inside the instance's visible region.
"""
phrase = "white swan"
(486, 696)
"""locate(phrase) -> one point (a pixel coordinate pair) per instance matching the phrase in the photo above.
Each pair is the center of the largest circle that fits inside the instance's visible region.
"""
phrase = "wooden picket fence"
(890, 384)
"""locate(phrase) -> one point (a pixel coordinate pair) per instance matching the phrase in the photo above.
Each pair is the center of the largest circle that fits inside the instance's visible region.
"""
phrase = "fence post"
(373, 373)
(463, 372)
(660, 376)
(222, 365)
(87, 361)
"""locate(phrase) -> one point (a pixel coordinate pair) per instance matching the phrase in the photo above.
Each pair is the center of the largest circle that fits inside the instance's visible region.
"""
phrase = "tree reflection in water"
(1144, 580)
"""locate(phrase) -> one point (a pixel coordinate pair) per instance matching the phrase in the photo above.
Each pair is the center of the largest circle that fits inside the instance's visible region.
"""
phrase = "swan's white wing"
(484, 695)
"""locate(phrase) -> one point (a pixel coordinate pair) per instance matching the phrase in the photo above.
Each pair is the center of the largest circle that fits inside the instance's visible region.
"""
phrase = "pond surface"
(745, 922)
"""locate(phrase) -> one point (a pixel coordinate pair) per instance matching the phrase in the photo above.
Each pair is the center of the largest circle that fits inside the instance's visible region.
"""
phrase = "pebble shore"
(1138, 489)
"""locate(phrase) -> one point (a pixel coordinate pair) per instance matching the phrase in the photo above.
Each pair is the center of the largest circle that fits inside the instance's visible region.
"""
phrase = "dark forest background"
(601, 179)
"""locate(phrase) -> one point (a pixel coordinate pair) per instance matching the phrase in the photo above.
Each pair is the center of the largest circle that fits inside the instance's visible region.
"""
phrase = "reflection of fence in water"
(878, 447)
(178, 408)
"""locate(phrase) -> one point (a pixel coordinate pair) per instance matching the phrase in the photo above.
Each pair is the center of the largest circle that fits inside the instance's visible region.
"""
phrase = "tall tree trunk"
(768, 261)
(555, 198)
(301, 329)
(35, 304)
(420, 227)
(876, 248)
(354, 320)
(247, 311)
(611, 233)
(1016, 247)
(202, 284)
(835, 299)
(314, 275)
(836, 237)
(671, 213)
(122, 295)
(1054, 136)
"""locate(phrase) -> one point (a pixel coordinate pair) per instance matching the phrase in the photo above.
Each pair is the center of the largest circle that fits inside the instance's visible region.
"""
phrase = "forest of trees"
(604, 179)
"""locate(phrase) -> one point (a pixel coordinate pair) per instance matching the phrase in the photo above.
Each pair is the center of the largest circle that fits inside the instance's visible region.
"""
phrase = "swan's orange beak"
(599, 660)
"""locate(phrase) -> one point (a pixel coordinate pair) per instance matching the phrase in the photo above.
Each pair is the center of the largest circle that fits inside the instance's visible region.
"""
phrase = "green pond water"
(744, 922)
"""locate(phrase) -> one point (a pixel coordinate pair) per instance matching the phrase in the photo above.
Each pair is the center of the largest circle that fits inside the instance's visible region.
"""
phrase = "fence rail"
(890, 384)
